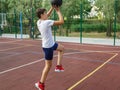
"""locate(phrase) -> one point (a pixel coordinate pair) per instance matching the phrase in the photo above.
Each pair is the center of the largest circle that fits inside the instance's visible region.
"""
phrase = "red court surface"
(87, 67)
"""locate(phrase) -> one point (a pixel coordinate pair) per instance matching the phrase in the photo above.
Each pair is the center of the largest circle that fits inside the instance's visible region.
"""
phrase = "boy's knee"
(62, 48)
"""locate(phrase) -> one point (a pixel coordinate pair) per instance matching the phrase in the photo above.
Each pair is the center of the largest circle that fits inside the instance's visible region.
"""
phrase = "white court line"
(21, 66)
(14, 42)
(11, 41)
(93, 45)
(88, 51)
(24, 65)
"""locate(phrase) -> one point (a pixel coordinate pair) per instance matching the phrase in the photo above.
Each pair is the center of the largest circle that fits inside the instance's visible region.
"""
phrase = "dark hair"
(40, 11)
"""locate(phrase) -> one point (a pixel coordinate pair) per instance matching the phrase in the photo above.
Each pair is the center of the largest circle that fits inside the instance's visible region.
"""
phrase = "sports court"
(87, 66)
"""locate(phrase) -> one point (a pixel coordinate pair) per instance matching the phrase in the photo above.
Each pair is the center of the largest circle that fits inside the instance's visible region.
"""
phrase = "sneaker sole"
(59, 70)
(36, 85)
(62, 70)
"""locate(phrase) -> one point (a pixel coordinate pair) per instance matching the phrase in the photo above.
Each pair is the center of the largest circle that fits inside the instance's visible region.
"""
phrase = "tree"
(118, 10)
(71, 8)
(107, 7)
(27, 7)
(71, 11)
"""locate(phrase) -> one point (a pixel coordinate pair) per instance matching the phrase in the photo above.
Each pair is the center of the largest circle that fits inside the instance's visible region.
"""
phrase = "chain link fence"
(81, 26)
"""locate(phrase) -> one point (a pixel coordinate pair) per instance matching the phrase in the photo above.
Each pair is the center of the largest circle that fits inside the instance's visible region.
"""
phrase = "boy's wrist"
(52, 7)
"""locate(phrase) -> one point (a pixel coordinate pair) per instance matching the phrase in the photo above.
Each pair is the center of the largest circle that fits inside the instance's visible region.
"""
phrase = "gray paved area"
(100, 41)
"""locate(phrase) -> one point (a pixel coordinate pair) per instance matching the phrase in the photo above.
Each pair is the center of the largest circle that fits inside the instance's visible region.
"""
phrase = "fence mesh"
(92, 25)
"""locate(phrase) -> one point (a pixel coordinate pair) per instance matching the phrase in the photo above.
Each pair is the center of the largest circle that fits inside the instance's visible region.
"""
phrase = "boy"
(48, 44)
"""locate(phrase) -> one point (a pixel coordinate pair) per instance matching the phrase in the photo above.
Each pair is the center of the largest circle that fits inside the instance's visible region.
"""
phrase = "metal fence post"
(21, 29)
(32, 23)
(54, 28)
(81, 23)
(15, 23)
(115, 8)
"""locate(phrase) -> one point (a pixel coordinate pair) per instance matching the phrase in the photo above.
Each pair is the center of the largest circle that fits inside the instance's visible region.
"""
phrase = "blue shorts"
(49, 51)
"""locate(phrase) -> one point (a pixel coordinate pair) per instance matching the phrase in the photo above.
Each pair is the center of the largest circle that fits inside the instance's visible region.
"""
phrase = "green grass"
(90, 35)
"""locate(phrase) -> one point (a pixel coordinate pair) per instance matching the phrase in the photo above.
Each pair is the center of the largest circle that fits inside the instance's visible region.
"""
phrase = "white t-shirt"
(44, 27)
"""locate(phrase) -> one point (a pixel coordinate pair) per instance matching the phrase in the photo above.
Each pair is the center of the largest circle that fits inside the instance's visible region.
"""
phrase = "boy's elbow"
(62, 22)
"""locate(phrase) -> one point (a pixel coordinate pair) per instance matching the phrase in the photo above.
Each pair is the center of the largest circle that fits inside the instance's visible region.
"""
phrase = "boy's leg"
(60, 50)
(48, 64)
(40, 85)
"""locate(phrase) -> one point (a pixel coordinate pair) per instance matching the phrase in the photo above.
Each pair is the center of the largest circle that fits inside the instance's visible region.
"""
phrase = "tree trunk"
(109, 28)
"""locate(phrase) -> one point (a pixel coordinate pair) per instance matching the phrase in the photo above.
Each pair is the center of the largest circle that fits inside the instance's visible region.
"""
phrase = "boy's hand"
(56, 8)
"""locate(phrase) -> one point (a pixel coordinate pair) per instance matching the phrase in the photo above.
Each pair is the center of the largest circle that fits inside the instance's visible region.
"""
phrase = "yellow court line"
(90, 74)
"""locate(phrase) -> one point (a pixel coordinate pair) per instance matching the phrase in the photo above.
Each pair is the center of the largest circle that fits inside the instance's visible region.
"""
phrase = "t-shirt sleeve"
(50, 23)
(38, 23)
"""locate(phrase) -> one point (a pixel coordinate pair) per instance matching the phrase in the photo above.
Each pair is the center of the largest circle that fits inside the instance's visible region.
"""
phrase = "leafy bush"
(89, 27)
